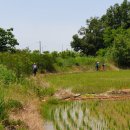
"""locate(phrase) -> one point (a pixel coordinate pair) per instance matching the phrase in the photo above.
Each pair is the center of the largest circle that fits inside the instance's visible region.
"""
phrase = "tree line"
(107, 36)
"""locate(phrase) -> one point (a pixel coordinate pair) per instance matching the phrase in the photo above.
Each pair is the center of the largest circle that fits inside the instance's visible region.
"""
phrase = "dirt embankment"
(109, 95)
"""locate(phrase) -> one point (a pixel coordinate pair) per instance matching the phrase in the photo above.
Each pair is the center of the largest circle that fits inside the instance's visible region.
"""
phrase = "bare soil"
(109, 95)
(30, 115)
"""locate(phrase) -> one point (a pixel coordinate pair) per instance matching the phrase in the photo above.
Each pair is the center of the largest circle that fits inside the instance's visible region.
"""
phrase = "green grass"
(90, 82)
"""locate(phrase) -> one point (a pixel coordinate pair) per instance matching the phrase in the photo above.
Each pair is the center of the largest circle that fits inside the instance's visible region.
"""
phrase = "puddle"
(48, 126)
(75, 116)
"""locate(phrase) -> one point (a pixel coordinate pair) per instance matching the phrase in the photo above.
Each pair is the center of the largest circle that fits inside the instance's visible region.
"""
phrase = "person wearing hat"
(97, 66)
(34, 69)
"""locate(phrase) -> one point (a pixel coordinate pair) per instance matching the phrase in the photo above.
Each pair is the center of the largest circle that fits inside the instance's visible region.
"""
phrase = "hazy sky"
(53, 22)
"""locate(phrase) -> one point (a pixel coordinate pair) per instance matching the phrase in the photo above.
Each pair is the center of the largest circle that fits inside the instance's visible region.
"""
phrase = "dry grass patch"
(30, 115)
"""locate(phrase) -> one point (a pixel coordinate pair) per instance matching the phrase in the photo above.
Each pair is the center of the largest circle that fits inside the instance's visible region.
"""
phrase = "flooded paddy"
(91, 115)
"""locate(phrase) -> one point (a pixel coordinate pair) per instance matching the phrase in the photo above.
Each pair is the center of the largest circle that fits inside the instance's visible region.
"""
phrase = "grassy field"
(90, 82)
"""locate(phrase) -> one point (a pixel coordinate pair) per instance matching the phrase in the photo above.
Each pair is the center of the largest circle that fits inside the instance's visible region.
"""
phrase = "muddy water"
(75, 116)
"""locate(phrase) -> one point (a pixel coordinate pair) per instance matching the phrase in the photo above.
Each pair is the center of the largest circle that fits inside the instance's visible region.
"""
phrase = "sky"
(53, 22)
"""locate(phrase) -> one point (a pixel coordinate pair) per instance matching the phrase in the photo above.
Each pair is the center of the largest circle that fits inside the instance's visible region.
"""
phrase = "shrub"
(7, 76)
(42, 92)
(13, 104)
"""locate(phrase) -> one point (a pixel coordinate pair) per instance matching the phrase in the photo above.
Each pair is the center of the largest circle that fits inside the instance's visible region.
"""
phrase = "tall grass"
(21, 61)
(81, 62)
(3, 112)
(7, 76)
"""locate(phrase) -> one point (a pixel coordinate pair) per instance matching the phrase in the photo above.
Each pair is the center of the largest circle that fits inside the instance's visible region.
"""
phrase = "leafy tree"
(91, 37)
(120, 51)
(125, 11)
(117, 16)
(76, 43)
(101, 32)
(113, 17)
(7, 40)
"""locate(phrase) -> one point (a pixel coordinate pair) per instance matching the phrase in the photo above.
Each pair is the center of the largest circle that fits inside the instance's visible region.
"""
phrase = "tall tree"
(120, 51)
(125, 11)
(91, 37)
(7, 40)
(117, 16)
(99, 32)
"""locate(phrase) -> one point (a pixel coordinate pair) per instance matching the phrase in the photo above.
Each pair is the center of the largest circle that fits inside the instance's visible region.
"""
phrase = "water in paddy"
(75, 116)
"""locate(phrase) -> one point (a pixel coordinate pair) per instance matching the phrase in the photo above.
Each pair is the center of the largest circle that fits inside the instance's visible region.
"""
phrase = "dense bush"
(119, 53)
(7, 76)
(21, 62)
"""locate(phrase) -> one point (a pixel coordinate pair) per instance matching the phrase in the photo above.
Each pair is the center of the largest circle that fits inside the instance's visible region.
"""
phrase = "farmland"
(88, 114)
(90, 82)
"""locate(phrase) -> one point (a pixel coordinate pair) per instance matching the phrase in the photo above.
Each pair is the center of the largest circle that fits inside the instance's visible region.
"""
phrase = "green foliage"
(13, 104)
(21, 62)
(101, 52)
(67, 54)
(3, 112)
(22, 129)
(120, 52)
(110, 32)
(7, 76)
(91, 40)
(7, 40)
(1, 127)
(48, 62)
(43, 92)
(81, 62)
(53, 101)
(118, 16)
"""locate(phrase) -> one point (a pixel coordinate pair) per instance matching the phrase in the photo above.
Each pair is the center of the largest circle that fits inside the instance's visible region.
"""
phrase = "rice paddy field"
(88, 114)
(90, 82)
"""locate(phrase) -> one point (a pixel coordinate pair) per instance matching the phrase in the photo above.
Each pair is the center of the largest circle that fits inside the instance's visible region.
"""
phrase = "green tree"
(91, 37)
(125, 11)
(117, 16)
(120, 51)
(7, 40)
(101, 32)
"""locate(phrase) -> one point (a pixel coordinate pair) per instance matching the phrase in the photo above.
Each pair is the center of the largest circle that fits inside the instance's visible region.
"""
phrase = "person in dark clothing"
(35, 68)
(97, 66)
(103, 66)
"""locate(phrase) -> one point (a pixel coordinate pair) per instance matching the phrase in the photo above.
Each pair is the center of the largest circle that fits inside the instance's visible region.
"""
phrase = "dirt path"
(30, 116)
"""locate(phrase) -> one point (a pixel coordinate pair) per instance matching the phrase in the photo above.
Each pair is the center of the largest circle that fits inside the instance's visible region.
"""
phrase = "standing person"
(103, 66)
(97, 66)
(34, 69)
